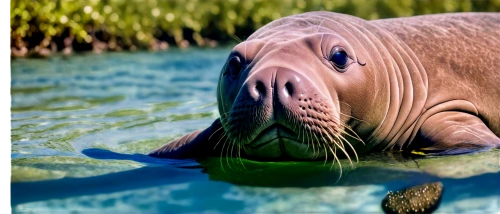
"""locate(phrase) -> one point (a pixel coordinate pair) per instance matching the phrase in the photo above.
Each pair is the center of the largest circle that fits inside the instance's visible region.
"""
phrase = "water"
(81, 126)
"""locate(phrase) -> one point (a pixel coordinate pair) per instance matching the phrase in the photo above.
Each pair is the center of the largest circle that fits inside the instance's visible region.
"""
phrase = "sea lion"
(320, 85)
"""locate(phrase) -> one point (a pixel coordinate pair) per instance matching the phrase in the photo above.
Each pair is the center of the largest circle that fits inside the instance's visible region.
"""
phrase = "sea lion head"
(302, 87)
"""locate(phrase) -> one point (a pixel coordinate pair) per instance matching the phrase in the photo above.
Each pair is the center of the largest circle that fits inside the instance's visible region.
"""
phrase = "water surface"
(82, 124)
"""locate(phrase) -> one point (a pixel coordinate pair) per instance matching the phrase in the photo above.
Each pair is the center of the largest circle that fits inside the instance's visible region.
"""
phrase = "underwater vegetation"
(42, 27)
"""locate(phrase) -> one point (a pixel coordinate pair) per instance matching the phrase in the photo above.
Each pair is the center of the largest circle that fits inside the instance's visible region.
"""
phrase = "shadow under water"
(389, 170)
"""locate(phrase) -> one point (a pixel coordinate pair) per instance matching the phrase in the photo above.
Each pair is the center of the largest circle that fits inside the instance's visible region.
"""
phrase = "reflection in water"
(373, 169)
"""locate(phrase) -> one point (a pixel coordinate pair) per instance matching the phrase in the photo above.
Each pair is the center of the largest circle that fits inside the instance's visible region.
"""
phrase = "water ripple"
(124, 102)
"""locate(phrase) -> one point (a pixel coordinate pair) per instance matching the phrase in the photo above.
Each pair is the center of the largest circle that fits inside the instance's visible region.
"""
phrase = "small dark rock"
(423, 198)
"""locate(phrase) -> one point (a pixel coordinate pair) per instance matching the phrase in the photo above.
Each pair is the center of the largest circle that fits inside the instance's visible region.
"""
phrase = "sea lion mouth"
(279, 141)
(271, 134)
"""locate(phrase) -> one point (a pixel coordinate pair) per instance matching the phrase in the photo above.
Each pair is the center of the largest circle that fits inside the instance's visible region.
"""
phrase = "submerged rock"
(423, 198)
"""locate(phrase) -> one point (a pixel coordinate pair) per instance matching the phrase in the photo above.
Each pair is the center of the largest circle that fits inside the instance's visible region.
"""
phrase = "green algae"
(165, 106)
(208, 105)
(32, 90)
(15, 137)
(125, 113)
(57, 137)
(83, 103)
(146, 122)
(103, 100)
(49, 108)
(90, 100)
(191, 116)
(55, 167)
(53, 118)
(24, 128)
(24, 174)
(143, 146)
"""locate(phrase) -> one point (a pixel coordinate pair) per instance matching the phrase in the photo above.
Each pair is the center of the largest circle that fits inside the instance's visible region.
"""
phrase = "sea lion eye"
(234, 66)
(339, 59)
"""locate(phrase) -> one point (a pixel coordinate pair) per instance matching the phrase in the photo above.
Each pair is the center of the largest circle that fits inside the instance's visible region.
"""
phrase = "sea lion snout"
(264, 85)
(277, 112)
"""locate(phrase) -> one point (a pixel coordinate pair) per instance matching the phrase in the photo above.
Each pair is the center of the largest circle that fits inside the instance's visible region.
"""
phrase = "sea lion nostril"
(289, 88)
(261, 89)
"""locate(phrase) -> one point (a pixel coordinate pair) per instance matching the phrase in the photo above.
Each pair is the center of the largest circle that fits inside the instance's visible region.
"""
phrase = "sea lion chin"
(323, 85)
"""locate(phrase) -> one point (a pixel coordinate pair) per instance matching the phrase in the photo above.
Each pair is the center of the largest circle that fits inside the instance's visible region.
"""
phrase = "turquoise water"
(82, 124)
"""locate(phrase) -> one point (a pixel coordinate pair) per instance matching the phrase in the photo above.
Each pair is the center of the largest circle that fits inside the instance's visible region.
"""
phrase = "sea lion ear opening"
(197, 144)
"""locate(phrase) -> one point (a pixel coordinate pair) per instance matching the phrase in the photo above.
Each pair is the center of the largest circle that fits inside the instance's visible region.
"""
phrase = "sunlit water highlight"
(81, 126)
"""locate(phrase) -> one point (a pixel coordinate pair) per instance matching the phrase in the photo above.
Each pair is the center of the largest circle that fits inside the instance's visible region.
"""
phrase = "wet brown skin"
(427, 84)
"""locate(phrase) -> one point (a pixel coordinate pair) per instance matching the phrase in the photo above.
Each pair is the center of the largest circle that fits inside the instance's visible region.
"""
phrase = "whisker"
(338, 161)
(325, 142)
(227, 156)
(303, 135)
(350, 116)
(232, 151)
(224, 135)
(215, 132)
(296, 126)
(236, 38)
(224, 118)
(345, 152)
(317, 141)
(335, 135)
(333, 153)
(220, 158)
(329, 135)
(312, 142)
(326, 154)
(239, 156)
(354, 137)
(308, 140)
(350, 145)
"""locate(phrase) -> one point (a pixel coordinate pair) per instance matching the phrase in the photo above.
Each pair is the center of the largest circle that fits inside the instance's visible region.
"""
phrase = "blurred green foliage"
(134, 24)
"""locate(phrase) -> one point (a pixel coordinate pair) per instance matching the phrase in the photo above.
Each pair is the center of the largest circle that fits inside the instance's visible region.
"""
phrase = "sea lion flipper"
(193, 145)
(453, 133)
